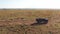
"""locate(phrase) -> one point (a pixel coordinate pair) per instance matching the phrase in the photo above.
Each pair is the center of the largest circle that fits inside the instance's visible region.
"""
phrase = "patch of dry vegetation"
(11, 22)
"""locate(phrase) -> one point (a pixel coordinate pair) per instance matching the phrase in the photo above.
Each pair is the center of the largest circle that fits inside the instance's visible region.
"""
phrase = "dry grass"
(11, 22)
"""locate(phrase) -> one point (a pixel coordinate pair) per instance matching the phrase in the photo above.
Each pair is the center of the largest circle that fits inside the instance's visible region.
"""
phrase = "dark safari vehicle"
(40, 21)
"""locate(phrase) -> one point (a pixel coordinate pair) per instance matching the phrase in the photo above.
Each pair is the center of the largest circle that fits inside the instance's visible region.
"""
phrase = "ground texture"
(11, 22)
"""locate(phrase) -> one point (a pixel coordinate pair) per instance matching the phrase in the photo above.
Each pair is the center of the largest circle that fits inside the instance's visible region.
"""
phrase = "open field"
(11, 22)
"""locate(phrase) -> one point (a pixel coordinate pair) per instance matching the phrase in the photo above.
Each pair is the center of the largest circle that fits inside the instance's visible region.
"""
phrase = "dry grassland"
(11, 22)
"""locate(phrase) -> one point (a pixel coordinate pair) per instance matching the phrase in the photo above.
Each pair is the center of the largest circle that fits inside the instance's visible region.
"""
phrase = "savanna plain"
(18, 21)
